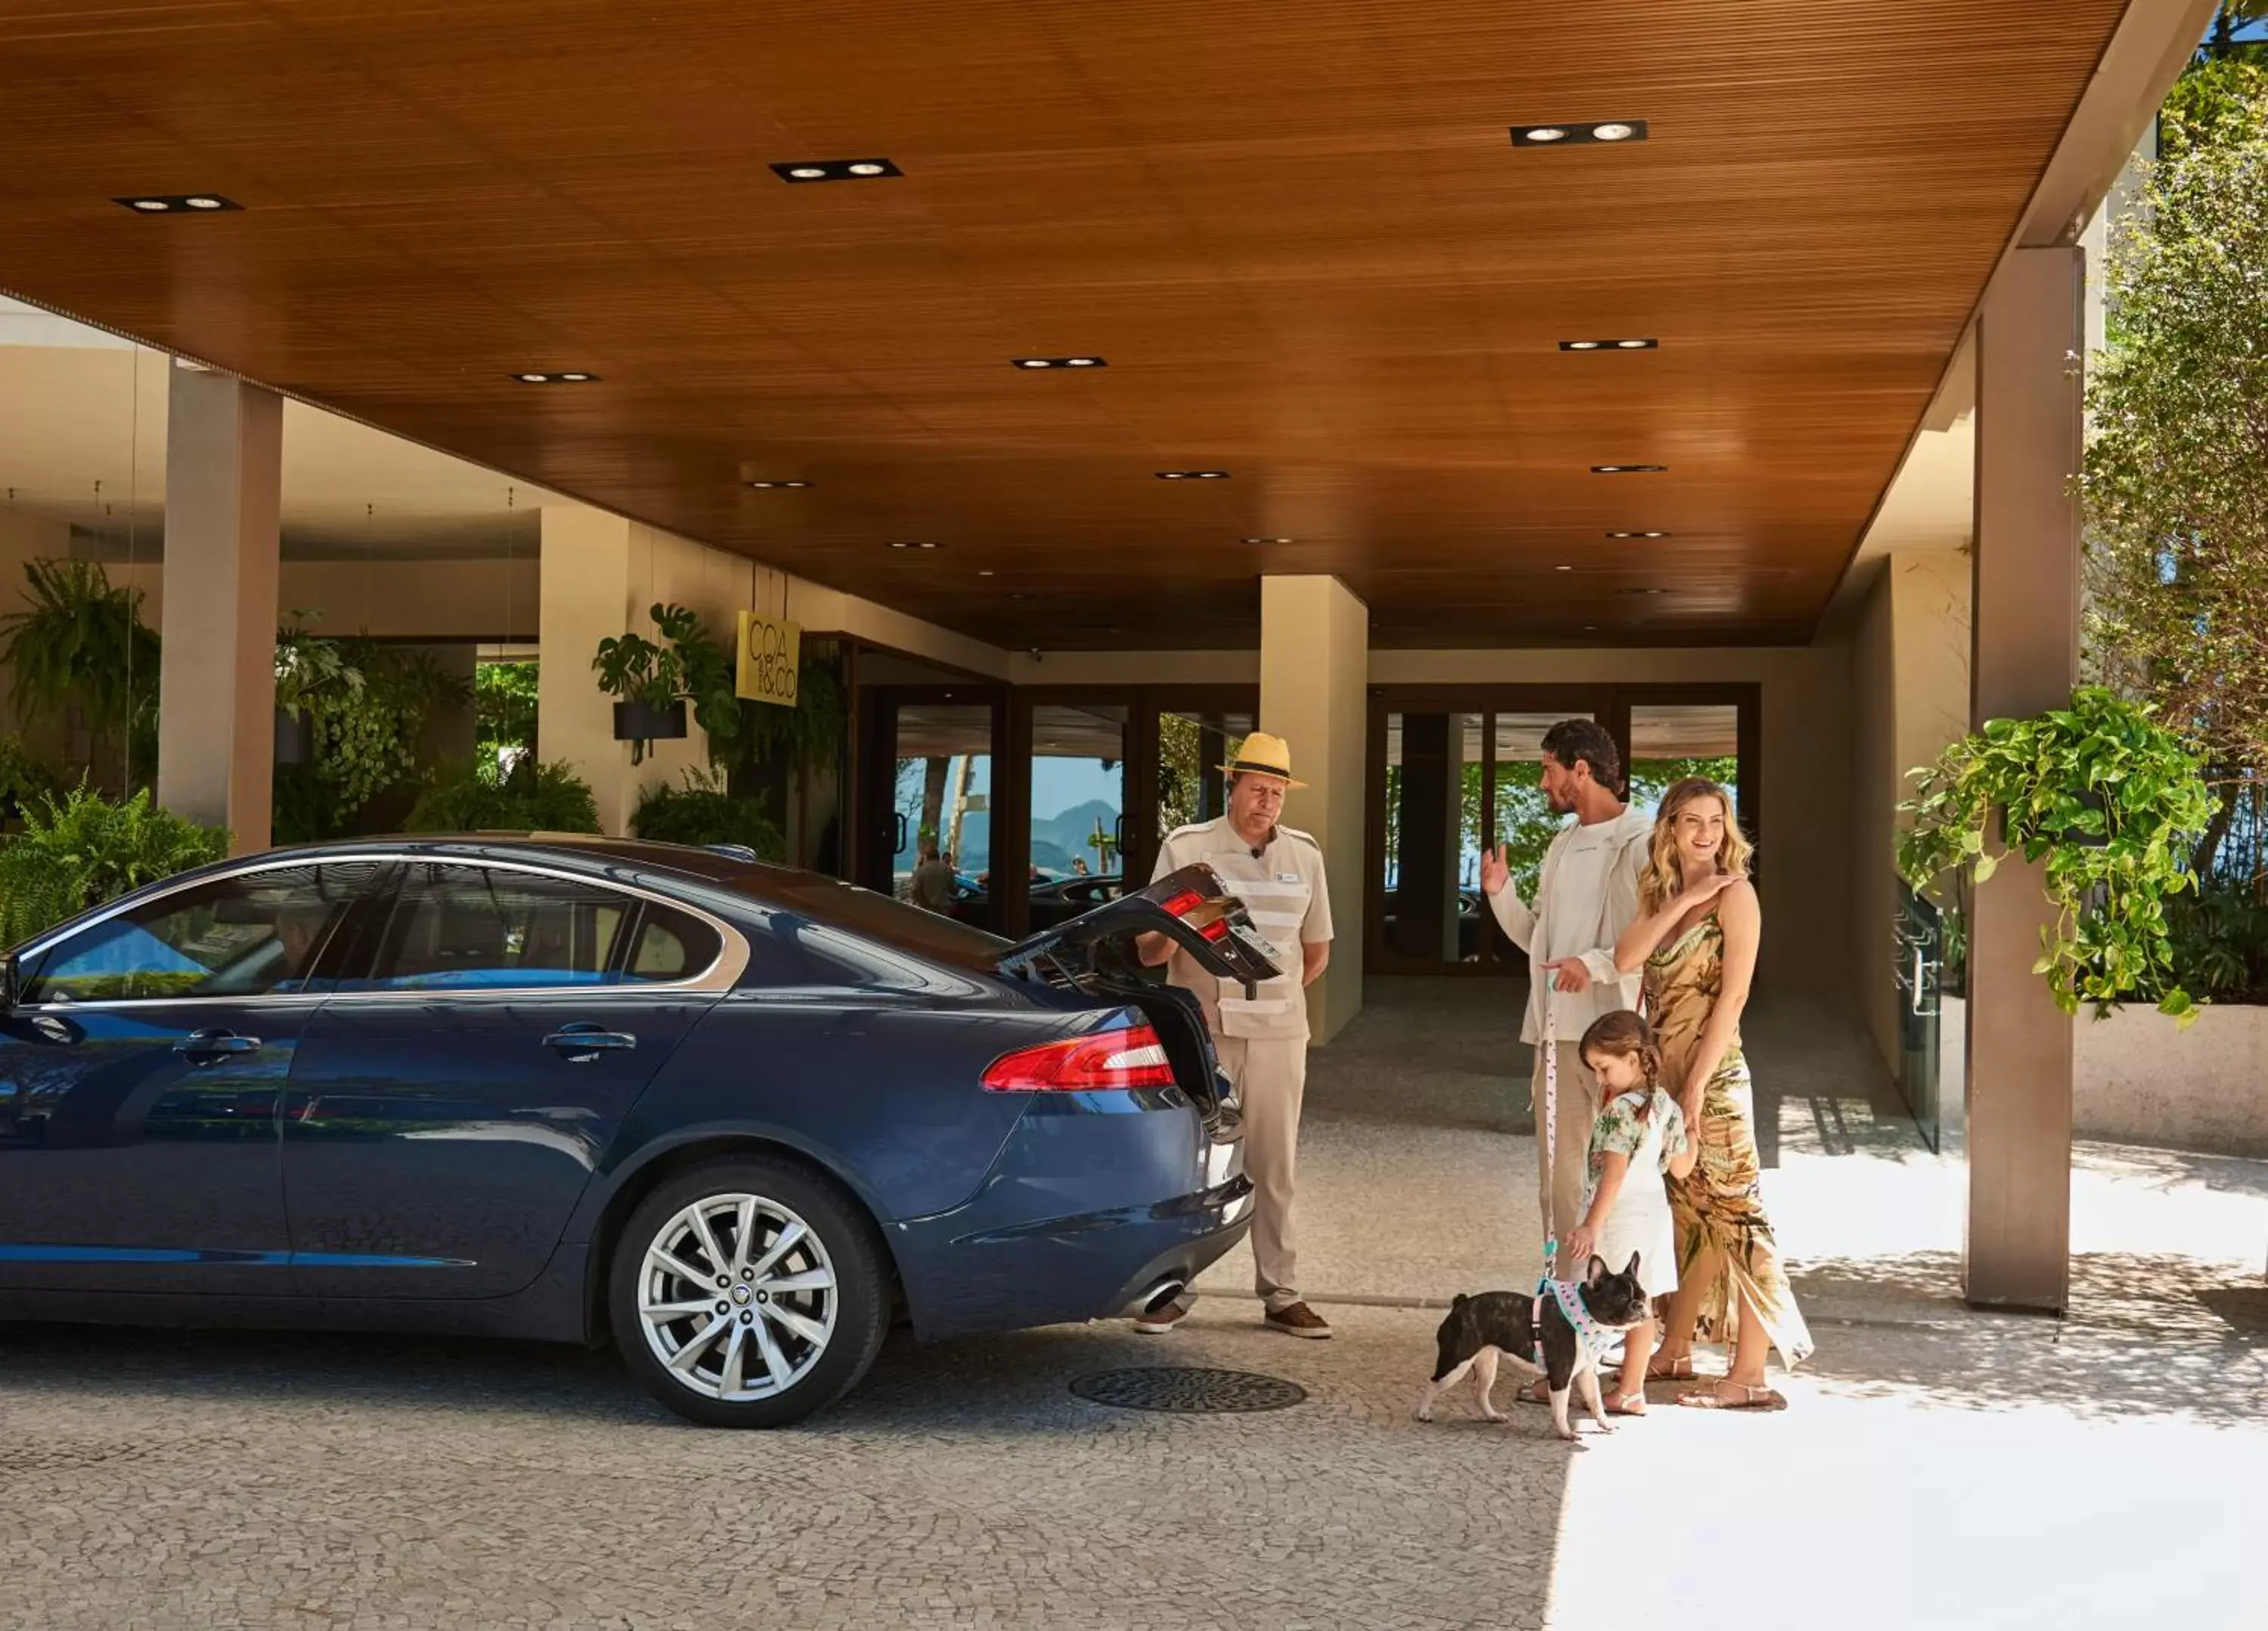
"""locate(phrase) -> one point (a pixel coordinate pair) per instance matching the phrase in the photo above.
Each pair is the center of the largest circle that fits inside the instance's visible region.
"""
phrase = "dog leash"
(1550, 1124)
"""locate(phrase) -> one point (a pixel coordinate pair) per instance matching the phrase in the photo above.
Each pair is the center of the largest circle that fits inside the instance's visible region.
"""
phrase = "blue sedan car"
(736, 1117)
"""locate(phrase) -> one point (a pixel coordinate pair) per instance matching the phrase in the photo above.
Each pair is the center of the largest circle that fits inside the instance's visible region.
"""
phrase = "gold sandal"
(1677, 1370)
(1751, 1398)
(1620, 1404)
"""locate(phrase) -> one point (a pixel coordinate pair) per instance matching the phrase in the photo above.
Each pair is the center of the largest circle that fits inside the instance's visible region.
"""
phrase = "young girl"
(1639, 1139)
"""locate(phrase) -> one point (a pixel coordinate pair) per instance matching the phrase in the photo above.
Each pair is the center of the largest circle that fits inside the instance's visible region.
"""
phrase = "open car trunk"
(1096, 952)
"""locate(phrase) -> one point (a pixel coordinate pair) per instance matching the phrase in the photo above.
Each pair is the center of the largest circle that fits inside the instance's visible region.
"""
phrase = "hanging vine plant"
(2109, 802)
(80, 639)
(367, 705)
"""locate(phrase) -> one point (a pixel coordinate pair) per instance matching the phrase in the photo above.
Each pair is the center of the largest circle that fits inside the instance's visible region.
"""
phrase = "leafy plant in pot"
(2110, 802)
(648, 683)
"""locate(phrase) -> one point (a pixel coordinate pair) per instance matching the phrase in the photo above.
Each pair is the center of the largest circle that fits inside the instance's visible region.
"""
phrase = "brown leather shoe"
(1297, 1320)
(1157, 1322)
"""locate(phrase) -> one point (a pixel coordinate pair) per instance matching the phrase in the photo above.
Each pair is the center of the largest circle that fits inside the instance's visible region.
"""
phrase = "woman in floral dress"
(1696, 939)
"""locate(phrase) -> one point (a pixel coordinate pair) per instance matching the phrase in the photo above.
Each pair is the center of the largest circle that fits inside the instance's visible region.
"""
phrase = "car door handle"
(583, 1043)
(200, 1045)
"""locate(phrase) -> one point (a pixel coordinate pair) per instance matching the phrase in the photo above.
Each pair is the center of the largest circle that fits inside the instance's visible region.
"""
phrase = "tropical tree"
(2176, 479)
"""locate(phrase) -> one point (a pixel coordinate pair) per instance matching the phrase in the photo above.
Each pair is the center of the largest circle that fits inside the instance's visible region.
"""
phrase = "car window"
(896, 923)
(254, 933)
(466, 928)
(671, 945)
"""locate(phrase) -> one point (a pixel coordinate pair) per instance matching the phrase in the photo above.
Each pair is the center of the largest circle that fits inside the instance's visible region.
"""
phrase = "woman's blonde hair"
(1625, 1031)
(1664, 877)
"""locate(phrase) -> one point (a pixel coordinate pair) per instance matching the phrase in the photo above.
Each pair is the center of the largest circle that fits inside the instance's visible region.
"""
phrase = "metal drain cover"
(1187, 1390)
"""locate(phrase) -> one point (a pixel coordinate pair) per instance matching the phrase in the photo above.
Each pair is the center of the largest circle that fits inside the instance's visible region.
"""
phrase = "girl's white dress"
(1640, 1222)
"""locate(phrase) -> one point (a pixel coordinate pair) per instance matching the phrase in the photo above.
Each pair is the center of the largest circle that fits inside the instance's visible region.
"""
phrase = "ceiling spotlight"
(1609, 345)
(836, 170)
(1609, 131)
(1641, 592)
(913, 543)
(1269, 540)
(171, 203)
(1636, 345)
(1563, 569)
(1058, 362)
(1645, 534)
(984, 571)
(766, 486)
(1628, 469)
(578, 378)
(1578, 345)
(1193, 475)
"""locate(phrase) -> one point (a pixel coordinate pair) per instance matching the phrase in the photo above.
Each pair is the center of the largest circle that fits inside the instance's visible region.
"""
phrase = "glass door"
(927, 796)
(1919, 949)
(1430, 879)
(1077, 774)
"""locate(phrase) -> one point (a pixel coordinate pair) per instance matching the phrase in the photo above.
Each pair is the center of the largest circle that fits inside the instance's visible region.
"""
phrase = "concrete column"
(1314, 659)
(2024, 659)
(601, 576)
(585, 592)
(216, 690)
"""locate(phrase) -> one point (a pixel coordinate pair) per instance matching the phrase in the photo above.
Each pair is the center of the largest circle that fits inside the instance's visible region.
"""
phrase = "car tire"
(749, 1327)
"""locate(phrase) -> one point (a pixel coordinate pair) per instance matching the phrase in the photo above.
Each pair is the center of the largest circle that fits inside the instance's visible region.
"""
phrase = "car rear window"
(894, 924)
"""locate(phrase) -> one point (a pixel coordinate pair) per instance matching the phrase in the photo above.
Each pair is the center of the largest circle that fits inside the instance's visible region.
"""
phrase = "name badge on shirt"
(1287, 878)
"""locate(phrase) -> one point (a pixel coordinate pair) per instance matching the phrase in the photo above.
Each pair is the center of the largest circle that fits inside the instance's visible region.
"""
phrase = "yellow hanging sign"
(771, 658)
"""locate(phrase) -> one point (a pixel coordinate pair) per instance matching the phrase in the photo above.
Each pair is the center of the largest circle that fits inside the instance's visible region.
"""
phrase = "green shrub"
(702, 813)
(25, 777)
(531, 798)
(87, 849)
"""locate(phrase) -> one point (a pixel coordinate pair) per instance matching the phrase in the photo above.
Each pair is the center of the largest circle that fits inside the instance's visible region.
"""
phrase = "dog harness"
(1595, 1338)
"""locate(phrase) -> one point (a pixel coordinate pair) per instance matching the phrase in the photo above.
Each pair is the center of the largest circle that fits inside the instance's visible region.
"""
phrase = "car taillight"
(1188, 901)
(1128, 1057)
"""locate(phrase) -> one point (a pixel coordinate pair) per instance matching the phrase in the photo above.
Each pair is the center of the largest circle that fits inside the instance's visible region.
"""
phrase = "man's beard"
(1560, 803)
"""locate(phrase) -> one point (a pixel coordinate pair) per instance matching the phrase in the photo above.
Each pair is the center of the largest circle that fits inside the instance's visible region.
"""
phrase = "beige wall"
(1909, 682)
(23, 538)
(481, 599)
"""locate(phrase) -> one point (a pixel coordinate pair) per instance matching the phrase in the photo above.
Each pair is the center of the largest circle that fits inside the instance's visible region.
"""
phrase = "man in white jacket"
(1585, 896)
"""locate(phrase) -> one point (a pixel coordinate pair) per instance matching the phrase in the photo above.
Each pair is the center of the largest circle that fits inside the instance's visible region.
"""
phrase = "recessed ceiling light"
(1193, 475)
(836, 170)
(575, 378)
(984, 571)
(1607, 130)
(1641, 592)
(765, 485)
(1645, 534)
(1059, 361)
(179, 203)
(1578, 345)
(1628, 469)
(1563, 569)
(913, 543)
(1609, 345)
(1268, 540)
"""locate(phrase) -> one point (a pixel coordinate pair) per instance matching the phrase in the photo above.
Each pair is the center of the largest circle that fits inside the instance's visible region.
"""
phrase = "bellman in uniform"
(1263, 1041)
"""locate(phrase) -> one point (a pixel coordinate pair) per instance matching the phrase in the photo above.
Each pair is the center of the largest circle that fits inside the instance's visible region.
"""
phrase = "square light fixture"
(836, 170)
(180, 204)
(1644, 534)
(913, 543)
(1057, 361)
(1611, 131)
(767, 486)
(572, 376)
(1610, 345)
(1628, 469)
(1193, 475)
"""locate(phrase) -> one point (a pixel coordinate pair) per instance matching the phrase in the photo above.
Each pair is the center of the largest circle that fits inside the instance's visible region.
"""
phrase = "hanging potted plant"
(311, 671)
(648, 683)
(2110, 803)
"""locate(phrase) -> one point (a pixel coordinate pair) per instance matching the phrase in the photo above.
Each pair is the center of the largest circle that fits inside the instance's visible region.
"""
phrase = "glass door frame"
(1611, 704)
(875, 710)
(1144, 705)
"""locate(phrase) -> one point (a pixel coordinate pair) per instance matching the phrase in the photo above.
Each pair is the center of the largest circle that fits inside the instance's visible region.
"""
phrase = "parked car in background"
(732, 1117)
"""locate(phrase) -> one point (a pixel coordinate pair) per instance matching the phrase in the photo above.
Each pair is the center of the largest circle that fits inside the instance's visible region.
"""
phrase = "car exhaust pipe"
(1160, 1294)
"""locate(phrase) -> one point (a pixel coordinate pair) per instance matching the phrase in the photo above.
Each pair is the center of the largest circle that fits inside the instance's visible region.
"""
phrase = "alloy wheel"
(737, 1297)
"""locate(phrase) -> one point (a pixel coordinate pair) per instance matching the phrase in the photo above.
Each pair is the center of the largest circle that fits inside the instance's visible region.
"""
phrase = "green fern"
(84, 849)
(532, 797)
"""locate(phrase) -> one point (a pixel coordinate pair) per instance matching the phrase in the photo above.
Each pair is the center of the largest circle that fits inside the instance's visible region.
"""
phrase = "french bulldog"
(1480, 1330)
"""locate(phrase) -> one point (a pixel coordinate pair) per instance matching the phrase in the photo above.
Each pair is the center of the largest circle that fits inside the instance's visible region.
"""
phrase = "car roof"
(730, 865)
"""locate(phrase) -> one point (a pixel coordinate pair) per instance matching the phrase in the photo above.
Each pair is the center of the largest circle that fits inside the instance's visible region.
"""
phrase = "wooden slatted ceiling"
(1300, 236)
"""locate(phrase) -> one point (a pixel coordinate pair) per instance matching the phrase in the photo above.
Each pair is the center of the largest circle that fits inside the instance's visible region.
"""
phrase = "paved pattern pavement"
(1937, 1467)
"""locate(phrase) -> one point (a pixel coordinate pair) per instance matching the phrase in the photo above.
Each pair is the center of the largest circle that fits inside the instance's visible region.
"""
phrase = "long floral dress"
(1720, 1204)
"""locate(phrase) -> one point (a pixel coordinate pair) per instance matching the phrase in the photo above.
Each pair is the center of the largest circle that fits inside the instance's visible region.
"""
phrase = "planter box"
(295, 737)
(634, 722)
(2138, 1080)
